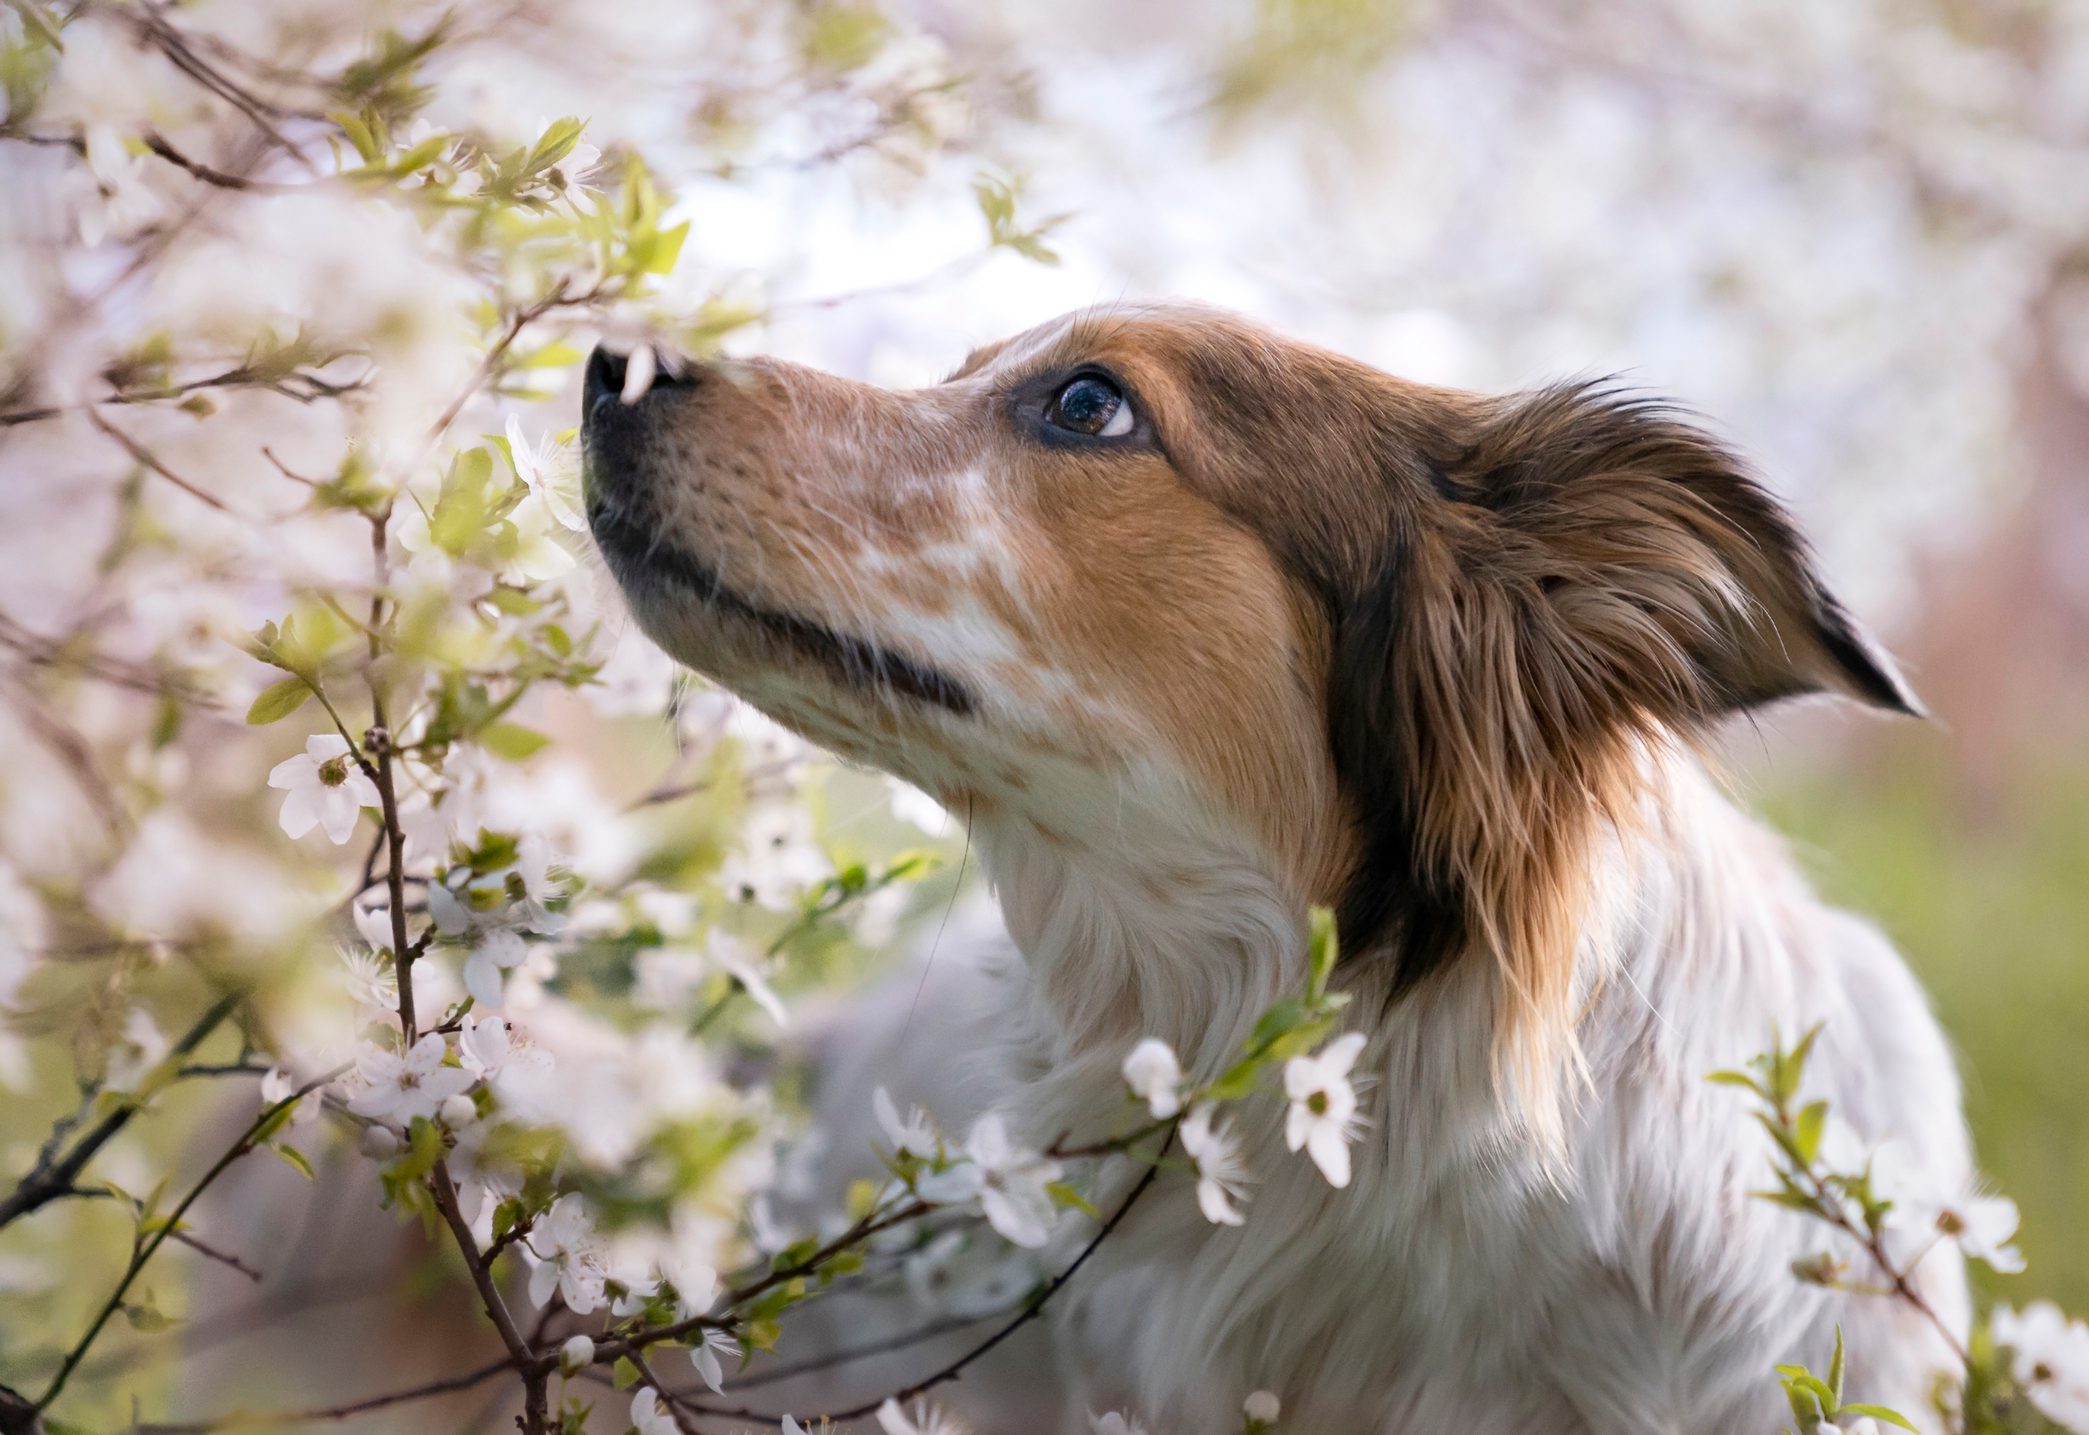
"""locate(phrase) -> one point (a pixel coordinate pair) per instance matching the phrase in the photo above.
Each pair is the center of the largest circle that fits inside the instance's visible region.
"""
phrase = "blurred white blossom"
(1009, 1181)
(2049, 1355)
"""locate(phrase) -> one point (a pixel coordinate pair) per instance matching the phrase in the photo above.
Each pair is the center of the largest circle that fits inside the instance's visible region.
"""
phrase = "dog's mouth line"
(858, 662)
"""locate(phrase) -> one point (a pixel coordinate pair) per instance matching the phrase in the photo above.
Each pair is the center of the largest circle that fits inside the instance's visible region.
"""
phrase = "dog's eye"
(1091, 405)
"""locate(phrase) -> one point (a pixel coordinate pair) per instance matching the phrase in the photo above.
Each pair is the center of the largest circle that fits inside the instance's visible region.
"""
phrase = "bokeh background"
(1854, 235)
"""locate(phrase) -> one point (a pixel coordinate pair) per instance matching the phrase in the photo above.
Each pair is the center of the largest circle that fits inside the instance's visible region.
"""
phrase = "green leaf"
(295, 1159)
(1066, 1196)
(1835, 1364)
(1323, 949)
(665, 249)
(1735, 1078)
(511, 740)
(1879, 1412)
(623, 1375)
(554, 144)
(558, 354)
(359, 135)
(279, 700)
(146, 1318)
(1807, 1130)
(420, 156)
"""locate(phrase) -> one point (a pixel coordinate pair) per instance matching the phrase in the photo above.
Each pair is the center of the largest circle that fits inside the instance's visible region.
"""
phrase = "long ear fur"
(1586, 575)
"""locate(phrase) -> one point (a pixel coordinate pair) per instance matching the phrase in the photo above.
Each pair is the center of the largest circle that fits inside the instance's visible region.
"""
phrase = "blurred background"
(1854, 236)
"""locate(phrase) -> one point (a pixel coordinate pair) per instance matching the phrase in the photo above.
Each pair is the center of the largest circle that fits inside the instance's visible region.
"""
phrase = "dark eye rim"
(1031, 405)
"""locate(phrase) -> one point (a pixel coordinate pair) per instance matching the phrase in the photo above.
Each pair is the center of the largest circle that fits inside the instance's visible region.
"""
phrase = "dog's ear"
(1577, 574)
(1642, 550)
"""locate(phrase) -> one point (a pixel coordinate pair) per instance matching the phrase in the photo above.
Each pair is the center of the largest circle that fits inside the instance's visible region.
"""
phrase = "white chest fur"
(1466, 1280)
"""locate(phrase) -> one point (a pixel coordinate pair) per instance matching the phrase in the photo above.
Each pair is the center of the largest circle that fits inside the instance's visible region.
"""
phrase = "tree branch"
(147, 1248)
(53, 1176)
(449, 1385)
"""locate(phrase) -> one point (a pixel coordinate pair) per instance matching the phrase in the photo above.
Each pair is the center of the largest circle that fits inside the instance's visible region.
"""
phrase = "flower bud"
(576, 1354)
(1262, 1408)
(380, 1142)
(459, 1112)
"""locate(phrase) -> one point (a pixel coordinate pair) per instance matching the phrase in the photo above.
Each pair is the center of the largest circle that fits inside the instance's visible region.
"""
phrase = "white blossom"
(704, 1356)
(577, 1354)
(371, 983)
(1262, 1408)
(323, 788)
(123, 201)
(2049, 1355)
(912, 1134)
(688, 1270)
(1221, 1174)
(739, 961)
(925, 1420)
(777, 858)
(1323, 1116)
(1984, 1227)
(1155, 1077)
(373, 923)
(1009, 1181)
(483, 1044)
(279, 1085)
(965, 1274)
(494, 943)
(533, 463)
(569, 1255)
(649, 1416)
(402, 1086)
(133, 1055)
(638, 373)
(630, 1293)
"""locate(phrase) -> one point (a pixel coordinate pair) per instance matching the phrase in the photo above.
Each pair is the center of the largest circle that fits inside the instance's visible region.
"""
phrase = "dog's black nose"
(608, 371)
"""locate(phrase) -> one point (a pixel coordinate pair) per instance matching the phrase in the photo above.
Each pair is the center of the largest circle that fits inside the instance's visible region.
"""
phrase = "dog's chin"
(751, 645)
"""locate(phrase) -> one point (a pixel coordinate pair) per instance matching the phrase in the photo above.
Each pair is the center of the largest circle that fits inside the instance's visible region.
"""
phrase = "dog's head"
(1401, 642)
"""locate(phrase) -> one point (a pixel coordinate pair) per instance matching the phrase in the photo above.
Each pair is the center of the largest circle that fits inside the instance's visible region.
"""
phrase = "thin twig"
(224, 1258)
(159, 146)
(448, 1385)
(1029, 1313)
(152, 461)
(150, 1245)
(53, 1176)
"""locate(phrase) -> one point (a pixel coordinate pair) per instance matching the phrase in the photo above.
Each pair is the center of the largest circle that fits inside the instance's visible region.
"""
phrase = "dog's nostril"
(606, 373)
(609, 374)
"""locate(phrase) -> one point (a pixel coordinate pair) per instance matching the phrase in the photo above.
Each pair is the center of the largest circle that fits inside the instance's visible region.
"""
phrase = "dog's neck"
(1164, 923)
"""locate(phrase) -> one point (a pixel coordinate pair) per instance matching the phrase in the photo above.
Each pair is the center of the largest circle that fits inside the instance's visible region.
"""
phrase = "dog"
(1198, 628)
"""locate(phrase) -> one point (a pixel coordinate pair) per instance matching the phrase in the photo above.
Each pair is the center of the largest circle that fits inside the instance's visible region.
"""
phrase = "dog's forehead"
(1152, 329)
